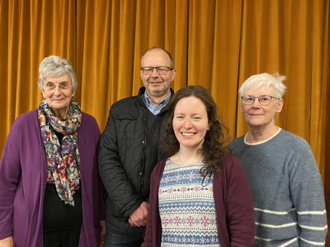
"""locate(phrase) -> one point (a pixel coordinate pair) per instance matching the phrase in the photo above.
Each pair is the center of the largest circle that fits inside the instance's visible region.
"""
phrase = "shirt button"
(143, 142)
(140, 173)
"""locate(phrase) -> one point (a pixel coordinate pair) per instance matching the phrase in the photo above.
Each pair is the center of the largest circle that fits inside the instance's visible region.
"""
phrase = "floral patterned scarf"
(62, 160)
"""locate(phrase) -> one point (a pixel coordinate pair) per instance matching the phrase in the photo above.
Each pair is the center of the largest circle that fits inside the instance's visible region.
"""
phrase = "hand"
(102, 223)
(139, 216)
(7, 242)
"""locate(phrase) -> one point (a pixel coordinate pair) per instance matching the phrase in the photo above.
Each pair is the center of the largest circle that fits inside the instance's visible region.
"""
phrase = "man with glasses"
(129, 150)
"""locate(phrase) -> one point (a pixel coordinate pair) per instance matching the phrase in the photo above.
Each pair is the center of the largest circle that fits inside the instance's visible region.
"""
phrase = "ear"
(141, 74)
(279, 106)
(43, 94)
(173, 74)
(73, 93)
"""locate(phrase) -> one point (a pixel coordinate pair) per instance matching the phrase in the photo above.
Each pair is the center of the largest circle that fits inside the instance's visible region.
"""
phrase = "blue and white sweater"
(287, 190)
(186, 207)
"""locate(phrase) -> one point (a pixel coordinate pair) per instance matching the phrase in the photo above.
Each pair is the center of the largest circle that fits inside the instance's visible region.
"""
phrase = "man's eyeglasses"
(263, 99)
(162, 70)
(51, 86)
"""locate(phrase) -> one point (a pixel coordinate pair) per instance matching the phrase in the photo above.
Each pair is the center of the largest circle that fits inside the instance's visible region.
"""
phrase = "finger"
(138, 223)
(131, 222)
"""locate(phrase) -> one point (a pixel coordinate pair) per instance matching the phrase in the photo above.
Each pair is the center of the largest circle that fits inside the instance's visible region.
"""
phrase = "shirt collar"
(148, 101)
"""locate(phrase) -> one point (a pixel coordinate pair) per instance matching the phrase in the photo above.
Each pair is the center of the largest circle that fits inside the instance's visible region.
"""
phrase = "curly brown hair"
(213, 149)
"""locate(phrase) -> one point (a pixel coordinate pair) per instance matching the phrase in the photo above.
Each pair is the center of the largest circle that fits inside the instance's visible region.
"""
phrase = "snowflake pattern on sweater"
(186, 207)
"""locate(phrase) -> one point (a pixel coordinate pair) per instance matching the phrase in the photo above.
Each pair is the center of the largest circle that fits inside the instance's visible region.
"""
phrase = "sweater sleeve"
(120, 190)
(307, 194)
(240, 212)
(102, 203)
(9, 178)
(153, 233)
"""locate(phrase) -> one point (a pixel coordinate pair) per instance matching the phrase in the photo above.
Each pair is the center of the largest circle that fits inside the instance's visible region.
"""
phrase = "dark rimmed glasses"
(263, 99)
(162, 70)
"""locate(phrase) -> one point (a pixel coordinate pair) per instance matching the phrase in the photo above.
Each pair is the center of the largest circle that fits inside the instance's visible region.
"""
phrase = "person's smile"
(187, 134)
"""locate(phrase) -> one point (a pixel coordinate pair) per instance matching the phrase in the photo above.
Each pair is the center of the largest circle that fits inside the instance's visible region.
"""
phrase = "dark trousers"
(66, 238)
(119, 240)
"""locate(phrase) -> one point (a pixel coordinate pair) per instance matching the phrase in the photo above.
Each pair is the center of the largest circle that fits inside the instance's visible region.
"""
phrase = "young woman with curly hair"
(199, 194)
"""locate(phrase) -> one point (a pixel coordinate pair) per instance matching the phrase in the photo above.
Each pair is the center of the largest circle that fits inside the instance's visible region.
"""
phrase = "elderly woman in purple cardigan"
(51, 193)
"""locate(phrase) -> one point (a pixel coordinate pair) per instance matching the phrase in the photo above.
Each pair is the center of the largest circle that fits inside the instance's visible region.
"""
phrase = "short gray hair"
(55, 66)
(159, 48)
(265, 79)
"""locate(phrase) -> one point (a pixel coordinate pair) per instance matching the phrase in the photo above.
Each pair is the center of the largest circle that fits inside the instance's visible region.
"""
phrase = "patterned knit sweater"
(186, 207)
(287, 190)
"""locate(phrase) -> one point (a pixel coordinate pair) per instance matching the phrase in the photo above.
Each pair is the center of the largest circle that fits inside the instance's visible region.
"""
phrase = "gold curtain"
(216, 44)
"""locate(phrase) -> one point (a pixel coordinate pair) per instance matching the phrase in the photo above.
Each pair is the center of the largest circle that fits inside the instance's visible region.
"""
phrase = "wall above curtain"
(216, 44)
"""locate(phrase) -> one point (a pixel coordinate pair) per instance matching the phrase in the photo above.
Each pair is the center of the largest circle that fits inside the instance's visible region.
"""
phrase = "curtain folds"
(216, 44)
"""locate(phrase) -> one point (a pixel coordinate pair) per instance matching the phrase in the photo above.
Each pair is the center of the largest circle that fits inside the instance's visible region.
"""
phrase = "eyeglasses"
(62, 85)
(263, 99)
(162, 70)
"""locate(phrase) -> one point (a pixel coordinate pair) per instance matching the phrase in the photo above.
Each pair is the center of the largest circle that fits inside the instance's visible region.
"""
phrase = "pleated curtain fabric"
(215, 43)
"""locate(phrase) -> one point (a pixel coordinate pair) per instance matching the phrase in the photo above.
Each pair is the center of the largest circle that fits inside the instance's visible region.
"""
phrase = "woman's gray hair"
(55, 66)
(265, 80)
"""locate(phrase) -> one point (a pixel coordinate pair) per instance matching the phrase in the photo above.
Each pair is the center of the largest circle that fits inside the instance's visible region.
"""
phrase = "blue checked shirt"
(155, 109)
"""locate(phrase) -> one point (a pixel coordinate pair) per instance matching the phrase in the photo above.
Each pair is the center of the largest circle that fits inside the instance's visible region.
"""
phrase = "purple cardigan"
(233, 205)
(23, 176)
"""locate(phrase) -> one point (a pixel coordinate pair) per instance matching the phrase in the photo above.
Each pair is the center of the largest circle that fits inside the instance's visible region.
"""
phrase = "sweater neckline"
(258, 143)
